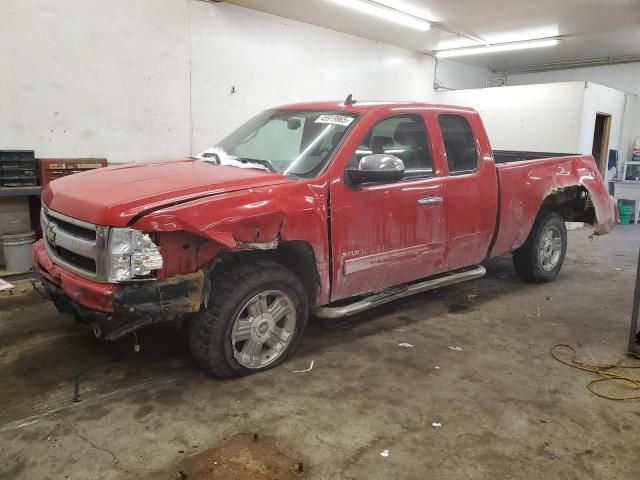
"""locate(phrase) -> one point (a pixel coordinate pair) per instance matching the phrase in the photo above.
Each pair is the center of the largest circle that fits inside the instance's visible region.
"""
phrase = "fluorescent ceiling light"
(409, 8)
(459, 42)
(509, 36)
(501, 47)
(496, 38)
(391, 14)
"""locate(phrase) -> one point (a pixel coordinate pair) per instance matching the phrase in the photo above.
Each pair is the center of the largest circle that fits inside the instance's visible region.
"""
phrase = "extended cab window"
(459, 144)
(404, 136)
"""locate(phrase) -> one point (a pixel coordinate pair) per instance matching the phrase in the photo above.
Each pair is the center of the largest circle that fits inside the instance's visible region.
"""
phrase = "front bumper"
(115, 310)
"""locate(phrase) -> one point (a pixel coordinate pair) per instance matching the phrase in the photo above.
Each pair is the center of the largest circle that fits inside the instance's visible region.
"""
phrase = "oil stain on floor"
(242, 457)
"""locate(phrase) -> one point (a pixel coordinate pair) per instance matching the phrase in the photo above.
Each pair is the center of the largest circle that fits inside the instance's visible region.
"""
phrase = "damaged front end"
(115, 310)
(135, 305)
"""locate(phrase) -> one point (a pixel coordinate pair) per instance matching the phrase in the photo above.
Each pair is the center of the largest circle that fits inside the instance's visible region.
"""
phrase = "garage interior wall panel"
(532, 117)
(459, 76)
(624, 78)
(88, 78)
(140, 80)
(601, 99)
(273, 61)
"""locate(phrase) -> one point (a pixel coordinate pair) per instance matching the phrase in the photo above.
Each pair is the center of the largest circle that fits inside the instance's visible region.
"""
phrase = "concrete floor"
(507, 409)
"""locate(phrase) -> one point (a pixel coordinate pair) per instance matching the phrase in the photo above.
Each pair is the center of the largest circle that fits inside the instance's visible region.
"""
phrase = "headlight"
(131, 254)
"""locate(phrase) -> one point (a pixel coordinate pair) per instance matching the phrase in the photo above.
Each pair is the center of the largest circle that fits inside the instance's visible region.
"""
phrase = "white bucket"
(16, 249)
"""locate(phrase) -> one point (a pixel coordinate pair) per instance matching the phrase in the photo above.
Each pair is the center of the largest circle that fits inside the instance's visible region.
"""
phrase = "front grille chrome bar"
(64, 233)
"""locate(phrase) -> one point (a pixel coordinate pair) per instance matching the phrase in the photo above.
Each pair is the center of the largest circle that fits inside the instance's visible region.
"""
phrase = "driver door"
(385, 234)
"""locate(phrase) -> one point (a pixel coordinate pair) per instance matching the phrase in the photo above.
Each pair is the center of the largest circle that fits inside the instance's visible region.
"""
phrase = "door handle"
(430, 201)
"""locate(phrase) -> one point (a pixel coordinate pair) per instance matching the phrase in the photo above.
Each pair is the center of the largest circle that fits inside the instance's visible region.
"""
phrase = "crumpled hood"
(114, 195)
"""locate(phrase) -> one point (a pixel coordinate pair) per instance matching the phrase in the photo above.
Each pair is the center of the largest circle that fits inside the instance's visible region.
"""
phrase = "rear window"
(459, 143)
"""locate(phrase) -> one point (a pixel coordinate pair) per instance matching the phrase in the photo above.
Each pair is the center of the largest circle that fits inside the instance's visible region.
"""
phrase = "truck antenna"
(349, 100)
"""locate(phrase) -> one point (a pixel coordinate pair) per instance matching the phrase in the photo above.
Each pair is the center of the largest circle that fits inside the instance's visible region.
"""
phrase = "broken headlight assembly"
(132, 254)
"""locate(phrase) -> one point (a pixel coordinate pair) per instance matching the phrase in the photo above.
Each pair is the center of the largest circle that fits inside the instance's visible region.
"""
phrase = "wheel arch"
(570, 186)
(573, 204)
(298, 256)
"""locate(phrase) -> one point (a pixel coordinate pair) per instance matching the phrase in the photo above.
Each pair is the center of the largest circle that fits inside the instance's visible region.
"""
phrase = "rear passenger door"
(471, 188)
(385, 234)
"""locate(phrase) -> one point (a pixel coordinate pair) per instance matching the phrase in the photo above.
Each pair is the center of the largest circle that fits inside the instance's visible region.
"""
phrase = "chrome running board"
(401, 291)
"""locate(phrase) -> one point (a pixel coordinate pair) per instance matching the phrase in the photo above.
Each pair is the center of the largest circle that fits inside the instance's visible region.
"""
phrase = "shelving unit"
(49, 169)
(8, 192)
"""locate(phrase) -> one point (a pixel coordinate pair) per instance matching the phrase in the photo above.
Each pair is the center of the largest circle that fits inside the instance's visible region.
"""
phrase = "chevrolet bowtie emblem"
(50, 234)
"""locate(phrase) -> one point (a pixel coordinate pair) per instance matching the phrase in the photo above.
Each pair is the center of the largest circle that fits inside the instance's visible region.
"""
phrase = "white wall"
(458, 76)
(532, 117)
(131, 80)
(624, 77)
(601, 99)
(552, 117)
(94, 78)
(273, 61)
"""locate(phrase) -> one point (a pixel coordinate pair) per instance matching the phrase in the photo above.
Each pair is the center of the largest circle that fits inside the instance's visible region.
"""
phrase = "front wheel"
(540, 259)
(255, 320)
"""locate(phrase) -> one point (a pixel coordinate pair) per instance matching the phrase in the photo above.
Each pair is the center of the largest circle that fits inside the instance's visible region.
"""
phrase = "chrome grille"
(74, 229)
(76, 245)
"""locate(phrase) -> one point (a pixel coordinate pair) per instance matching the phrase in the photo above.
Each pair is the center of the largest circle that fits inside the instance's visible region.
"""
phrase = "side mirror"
(377, 168)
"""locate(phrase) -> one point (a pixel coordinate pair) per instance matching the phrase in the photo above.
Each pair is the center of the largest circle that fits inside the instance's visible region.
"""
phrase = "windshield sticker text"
(343, 120)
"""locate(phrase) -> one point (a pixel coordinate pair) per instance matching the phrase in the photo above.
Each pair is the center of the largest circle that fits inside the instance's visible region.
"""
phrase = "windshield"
(292, 142)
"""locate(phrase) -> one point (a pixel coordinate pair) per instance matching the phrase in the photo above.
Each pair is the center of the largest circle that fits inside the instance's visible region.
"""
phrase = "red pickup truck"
(325, 208)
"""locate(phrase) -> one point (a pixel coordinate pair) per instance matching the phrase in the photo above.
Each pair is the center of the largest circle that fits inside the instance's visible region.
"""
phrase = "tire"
(224, 338)
(529, 260)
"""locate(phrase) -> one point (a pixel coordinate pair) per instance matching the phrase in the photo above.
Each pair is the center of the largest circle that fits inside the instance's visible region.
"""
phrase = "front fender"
(253, 219)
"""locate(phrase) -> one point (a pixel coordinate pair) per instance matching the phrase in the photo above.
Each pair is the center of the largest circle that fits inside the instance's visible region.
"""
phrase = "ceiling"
(593, 28)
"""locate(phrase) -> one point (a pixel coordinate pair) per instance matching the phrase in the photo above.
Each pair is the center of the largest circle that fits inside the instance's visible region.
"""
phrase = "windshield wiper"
(265, 163)
(221, 158)
(215, 157)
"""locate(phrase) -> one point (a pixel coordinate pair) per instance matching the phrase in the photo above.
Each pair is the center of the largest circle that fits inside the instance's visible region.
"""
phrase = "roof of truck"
(365, 106)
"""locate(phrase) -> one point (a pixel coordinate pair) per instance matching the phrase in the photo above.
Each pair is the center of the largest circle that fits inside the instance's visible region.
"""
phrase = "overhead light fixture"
(408, 8)
(499, 47)
(387, 10)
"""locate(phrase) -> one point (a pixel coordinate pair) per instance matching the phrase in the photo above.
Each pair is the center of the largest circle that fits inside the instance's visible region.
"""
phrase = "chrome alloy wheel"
(263, 329)
(550, 248)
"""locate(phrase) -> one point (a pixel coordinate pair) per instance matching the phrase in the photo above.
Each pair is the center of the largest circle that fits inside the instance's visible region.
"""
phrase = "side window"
(404, 136)
(459, 144)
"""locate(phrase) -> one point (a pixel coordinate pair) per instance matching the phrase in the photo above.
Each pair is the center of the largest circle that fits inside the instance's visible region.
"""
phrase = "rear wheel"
(255, 320)
(541, 257)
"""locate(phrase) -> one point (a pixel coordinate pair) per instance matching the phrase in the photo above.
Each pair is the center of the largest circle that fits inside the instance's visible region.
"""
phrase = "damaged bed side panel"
(524, 186)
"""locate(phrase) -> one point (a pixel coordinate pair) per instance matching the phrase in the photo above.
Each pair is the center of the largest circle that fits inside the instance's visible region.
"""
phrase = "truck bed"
(510, 156)
(526, 179)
